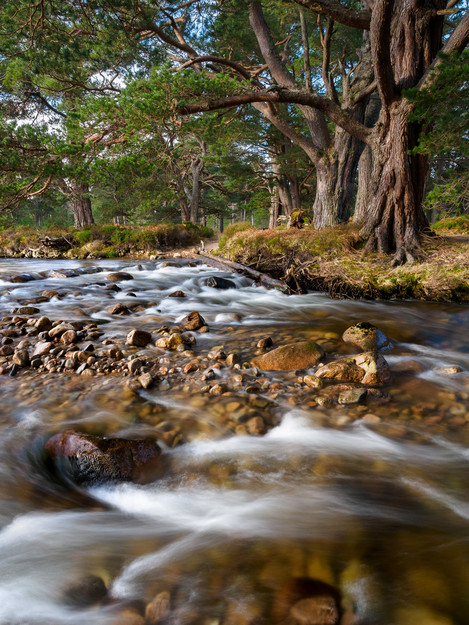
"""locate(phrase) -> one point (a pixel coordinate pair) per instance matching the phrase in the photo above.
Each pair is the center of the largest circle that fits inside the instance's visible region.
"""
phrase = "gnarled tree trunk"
(81, 205)
(405, 36)
(396, 188)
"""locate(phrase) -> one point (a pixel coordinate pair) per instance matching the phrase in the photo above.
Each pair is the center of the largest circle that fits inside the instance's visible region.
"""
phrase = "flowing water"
(371, 499)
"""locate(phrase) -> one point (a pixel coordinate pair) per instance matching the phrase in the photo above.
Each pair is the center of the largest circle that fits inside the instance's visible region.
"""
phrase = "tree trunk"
(196, 170)
(274, 207)
(81, 205)
(295, 192)
(335, 181)
(184, 207)
(365, 165)
(404, 44)
(396, 216)
(362, 202)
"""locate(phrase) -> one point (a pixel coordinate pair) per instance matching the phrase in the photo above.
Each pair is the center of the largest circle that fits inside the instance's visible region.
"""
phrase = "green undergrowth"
(104, 241)
(333, 260)
(453, 225)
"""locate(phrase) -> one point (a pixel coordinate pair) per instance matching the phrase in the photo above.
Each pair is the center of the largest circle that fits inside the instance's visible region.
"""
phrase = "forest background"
(326, 112)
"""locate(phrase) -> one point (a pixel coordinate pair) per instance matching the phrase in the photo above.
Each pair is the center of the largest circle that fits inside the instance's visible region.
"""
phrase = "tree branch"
(42, 99)
(287, 96)
(305, 42)
(326, 57)
(211, 58)
(339, 13)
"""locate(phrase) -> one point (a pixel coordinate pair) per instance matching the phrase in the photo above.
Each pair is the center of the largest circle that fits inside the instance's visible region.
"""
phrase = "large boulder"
(367, 368)
(94, 459)
(366, 336)
(301, 355)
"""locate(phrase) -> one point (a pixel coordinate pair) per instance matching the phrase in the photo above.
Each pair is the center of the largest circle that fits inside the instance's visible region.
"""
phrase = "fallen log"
(259, 278)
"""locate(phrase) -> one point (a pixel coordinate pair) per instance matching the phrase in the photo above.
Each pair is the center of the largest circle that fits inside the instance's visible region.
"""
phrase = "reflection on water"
(373, 500)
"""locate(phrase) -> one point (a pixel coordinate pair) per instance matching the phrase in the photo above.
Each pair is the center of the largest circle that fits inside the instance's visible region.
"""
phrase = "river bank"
(334, 262)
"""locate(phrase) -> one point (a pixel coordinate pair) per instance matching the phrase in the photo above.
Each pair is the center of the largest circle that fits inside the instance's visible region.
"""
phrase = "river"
(372, 499)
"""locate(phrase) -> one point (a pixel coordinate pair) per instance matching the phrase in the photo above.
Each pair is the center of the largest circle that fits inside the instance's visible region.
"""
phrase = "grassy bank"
(333, 261)
(99, 241)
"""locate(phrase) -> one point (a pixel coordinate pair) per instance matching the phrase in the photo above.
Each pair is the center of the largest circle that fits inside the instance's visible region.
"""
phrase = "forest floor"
(333, 261)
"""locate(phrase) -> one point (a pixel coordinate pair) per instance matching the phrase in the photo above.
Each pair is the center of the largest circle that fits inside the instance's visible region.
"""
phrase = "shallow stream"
(372, 499)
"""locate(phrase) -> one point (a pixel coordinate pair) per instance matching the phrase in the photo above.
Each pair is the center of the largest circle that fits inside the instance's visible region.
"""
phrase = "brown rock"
(9, 333)
(119, 309)
(177, 294)
(367, 368)
(342, 369)
(217, 389)
(232, 359)
(265, 343)
(312, 381)
(21, 358)
(410, 367)
(94, 459)
(158, 609)
(50, 294)
(42, 348)
(135, 365)
(352, 396)
(28, 310)
(139, 338)
(146, 380)
(162, 342)
(6, 350)
(299, 355)
(175, 340)
(376, 368)
(256, 426)
(43, 324)
(366, 336)
(60, 329)
(119, 276)
(320, 610)
(190, 367)
(68, 337)
(193, 321)
(325, 602)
